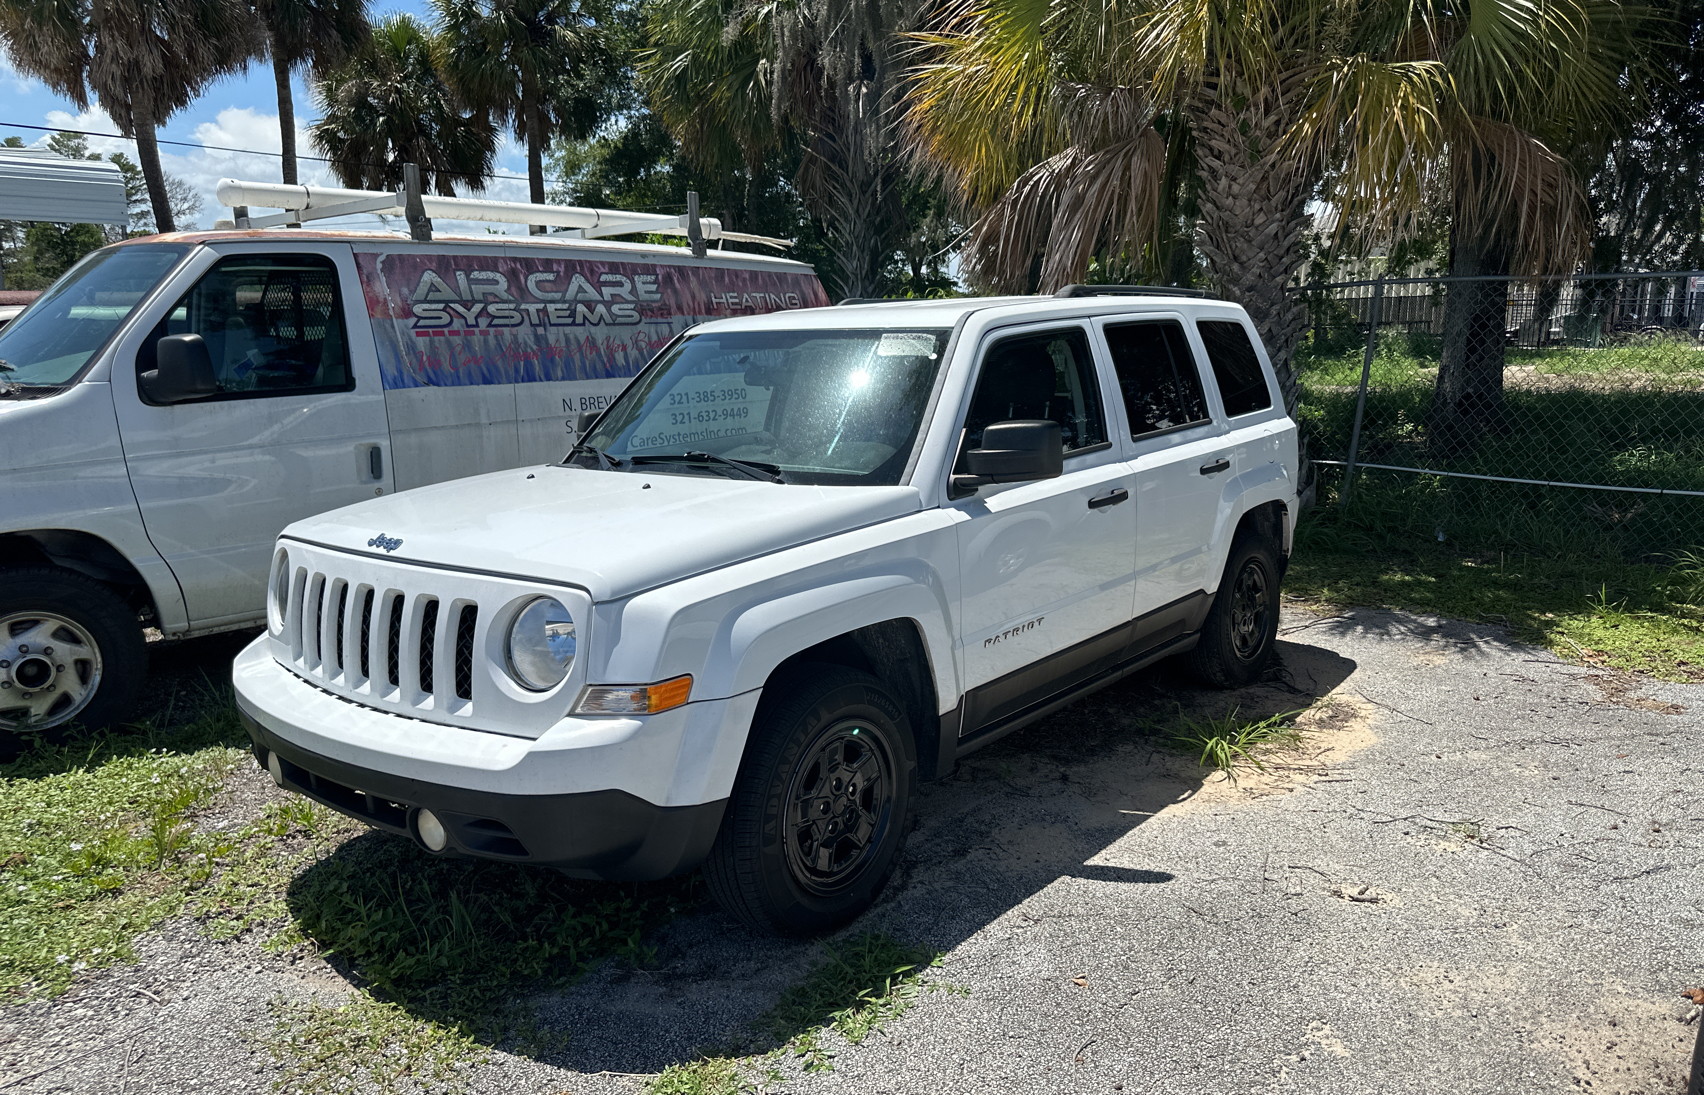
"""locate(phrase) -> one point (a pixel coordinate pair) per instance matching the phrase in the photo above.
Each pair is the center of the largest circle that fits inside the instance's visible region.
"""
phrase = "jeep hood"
(611, 533)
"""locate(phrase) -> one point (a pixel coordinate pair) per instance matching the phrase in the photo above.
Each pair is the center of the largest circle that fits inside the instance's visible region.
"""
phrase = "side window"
(1157, 374)
(1235, 366)
(1049, 375)
(273, 325)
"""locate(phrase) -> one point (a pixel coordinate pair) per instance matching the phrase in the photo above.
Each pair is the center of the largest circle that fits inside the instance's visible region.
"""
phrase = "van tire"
(1242, 626)
(820, 732)
(50, 601)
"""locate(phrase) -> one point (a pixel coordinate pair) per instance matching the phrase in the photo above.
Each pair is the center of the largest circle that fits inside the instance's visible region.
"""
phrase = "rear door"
(1180, 462)
(298, 426)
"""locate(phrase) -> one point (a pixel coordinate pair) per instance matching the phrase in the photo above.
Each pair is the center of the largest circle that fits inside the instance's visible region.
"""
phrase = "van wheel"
(1242, 626)
(818, 812)
(70, 652)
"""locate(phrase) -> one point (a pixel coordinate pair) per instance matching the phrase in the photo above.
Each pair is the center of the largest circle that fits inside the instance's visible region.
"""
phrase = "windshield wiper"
(748, 469)
(606, 462)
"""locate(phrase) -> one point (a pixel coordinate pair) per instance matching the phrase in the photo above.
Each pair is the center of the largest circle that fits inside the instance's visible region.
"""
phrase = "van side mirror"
(1018, 451)
(183, 370)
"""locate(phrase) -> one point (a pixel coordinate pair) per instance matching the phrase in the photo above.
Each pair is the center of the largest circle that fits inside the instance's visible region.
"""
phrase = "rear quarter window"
(1235, 366)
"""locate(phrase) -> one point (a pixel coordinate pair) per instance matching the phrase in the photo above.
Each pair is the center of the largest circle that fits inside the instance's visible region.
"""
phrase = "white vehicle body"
(978, 609)
(371, 363)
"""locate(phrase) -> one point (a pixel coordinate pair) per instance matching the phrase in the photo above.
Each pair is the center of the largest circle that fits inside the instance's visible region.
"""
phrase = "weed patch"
(366, 1045)
(1229, 743)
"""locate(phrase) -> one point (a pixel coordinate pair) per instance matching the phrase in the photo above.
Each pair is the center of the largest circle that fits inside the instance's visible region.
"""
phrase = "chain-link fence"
(1560, 415)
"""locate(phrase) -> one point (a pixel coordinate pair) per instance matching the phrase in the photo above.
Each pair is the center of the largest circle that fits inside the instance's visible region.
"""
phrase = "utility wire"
(299, 156)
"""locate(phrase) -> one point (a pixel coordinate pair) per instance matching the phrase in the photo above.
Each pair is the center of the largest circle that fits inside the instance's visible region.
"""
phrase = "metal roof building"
(36, 185)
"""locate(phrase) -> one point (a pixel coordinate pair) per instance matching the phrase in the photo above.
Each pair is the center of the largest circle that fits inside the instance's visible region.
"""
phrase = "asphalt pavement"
(1484, 872)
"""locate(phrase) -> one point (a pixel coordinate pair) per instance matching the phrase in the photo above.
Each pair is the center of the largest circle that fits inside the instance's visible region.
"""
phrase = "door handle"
(1111, 499)
(1215, 467)
(376, 461)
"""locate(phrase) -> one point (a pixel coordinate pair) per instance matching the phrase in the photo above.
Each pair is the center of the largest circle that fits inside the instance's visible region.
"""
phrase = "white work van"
(174, 401)
(802, 561)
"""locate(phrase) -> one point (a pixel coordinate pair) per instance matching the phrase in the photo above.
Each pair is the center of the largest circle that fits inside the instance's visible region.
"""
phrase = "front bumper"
(573, 799)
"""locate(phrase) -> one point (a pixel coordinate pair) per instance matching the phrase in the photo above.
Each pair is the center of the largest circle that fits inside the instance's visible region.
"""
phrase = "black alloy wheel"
(1241, 629)
(818, 812)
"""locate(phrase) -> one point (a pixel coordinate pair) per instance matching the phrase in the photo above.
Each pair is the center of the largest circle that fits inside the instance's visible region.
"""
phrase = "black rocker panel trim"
(591, 834)
(1004, 697)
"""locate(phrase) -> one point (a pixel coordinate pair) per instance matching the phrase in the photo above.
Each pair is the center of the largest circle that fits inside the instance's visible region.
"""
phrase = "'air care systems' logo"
(486, 299)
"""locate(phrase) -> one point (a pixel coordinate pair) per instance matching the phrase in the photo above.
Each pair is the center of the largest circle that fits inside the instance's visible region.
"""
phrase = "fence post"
(1361, 397)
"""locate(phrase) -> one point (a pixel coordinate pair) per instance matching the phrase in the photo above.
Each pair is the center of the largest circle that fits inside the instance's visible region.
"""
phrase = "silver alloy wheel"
(50, 668)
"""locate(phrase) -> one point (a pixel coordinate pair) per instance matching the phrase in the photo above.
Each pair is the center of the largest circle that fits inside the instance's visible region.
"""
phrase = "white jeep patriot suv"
(804, 560)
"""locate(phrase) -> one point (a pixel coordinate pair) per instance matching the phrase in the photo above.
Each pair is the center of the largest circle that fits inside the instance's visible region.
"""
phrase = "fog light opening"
(431, 831)
(276, 767)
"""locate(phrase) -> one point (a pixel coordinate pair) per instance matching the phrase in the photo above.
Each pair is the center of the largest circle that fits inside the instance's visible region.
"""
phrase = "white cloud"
(14, 81)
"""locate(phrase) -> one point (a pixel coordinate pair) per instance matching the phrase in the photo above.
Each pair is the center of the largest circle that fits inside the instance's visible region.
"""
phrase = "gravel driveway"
(1485, 873)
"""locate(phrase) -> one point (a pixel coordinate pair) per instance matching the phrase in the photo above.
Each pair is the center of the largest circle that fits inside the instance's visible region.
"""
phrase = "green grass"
(1229, 743)
(366, 1045)
(861, 984)
(1638, 617)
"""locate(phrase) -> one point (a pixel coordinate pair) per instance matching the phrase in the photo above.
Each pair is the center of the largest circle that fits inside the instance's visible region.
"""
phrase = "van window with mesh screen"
(1157, 376)
(1050, 375)
(1235, 366)
(273, 325)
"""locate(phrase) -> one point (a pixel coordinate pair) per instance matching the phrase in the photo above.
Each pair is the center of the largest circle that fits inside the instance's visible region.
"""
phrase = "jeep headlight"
(541, 643)
(278, 599)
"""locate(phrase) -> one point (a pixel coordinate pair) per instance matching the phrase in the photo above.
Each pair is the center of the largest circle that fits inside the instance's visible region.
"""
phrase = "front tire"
(818, 813)
(71, 652)
(1242, 626)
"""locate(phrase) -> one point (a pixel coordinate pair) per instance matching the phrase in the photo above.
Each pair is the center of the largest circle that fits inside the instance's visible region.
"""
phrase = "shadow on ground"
(1041, 805)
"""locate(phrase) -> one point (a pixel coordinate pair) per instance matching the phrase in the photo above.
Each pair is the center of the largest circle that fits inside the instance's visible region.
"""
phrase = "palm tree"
(143, 60)
(316, 33)
(738, 82)
(389, 105)
(512, 59)
(1279, 99)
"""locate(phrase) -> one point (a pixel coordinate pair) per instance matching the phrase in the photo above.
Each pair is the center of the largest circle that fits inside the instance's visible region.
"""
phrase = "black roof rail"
(874, 300)
(1129, 291)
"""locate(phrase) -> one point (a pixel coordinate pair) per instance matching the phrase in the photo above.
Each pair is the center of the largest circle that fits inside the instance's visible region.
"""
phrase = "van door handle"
(1111, 499)
(376, 461)
(1215, 467)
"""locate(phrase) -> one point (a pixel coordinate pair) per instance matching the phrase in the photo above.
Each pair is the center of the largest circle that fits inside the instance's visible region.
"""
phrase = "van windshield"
(824, 407)
(55, 337)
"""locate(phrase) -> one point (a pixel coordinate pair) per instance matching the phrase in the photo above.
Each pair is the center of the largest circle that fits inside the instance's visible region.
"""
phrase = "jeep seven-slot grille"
(333, 613)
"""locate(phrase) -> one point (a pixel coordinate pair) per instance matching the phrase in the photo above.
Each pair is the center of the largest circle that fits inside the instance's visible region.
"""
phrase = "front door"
(297, 426)
(1046, 566)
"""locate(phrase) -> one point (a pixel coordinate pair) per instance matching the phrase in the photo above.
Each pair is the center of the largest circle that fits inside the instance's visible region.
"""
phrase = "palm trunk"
(148, 155)
(286, 113)
(535, 148)
(1468, 400)
(1253, 214)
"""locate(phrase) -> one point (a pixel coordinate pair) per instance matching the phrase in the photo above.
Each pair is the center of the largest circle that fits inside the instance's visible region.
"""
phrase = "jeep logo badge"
(383, 541)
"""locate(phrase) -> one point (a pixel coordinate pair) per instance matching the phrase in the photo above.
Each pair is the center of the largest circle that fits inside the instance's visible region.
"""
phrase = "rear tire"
(819, 809)
(71, 652)
(1242, 626)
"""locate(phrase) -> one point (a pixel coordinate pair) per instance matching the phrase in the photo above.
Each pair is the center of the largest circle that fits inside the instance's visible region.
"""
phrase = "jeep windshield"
(830, 407)
(58, 335)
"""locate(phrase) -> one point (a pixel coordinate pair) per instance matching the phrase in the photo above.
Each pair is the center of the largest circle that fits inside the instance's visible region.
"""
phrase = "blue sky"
(237, 112)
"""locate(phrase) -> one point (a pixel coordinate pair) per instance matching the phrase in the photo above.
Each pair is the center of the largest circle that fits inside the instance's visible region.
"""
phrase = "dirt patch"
(1625, 1045)
(1334, 729)
(1620, 688)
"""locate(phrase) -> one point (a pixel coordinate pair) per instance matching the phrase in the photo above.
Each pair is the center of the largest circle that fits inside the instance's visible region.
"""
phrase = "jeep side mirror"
(1014, 452)
(183, 370)
(583, 422)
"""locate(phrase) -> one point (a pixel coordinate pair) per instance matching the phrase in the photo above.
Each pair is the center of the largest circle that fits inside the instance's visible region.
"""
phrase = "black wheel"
(818, 811)
(71, 653)
(1236, 641)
